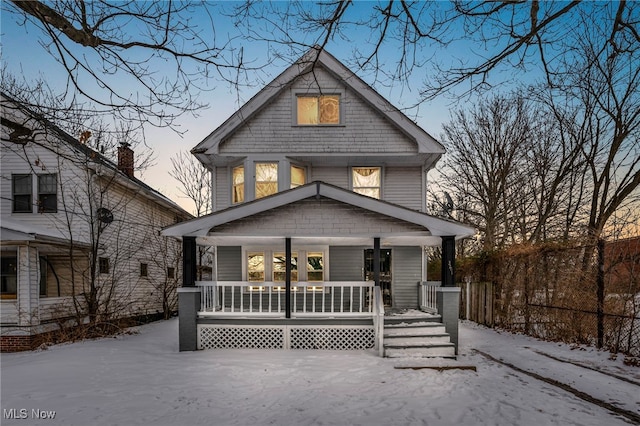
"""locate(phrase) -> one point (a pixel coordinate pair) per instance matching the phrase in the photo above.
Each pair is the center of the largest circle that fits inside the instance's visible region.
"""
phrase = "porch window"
(266, 179)
(9, 277)
(366, 181)
(255, 267)
(298, 176)
(315, 269)
(317, 110)
(21, 193)
(279, 268)
(43, 275)
(238, 185)
(47, 193)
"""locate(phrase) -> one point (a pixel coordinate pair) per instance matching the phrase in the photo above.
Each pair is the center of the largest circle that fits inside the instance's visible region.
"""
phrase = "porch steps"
(416, 338)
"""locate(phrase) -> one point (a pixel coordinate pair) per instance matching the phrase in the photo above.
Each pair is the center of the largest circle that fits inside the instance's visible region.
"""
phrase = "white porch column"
(28, 286)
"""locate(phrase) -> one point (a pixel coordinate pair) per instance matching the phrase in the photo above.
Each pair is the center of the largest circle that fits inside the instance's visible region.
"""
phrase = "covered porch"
(343, 304)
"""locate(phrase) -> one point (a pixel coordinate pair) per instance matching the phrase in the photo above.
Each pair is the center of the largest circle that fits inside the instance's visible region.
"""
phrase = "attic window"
(316, 110)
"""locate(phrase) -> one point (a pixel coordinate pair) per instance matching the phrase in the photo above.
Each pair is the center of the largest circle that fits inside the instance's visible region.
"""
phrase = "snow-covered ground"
(142, 379)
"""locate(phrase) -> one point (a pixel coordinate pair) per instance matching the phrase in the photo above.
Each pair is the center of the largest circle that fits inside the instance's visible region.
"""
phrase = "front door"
(385, 272)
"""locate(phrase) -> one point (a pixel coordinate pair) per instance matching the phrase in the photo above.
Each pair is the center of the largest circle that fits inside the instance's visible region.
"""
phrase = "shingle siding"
(363, 129)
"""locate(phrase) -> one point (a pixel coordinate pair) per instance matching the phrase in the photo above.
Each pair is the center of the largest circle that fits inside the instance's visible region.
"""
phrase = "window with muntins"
(318, 110)
(366, 181)
(21, 193)
(103, 265)
(47, 193)
(238, 185)
(266, 179)
(298, 176)
(9, 277)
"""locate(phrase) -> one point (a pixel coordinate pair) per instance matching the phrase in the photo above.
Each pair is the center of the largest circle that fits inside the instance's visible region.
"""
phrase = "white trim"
(435, 226)
(314, 57)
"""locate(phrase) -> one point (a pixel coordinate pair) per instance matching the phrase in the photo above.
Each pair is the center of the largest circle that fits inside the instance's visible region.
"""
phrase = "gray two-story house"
(319, 224)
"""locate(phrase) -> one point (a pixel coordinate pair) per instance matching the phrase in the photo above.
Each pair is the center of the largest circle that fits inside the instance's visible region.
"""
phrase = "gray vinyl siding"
(346, 263)
(222, 191)
(403, 186)
(338, 176)
(406, 272)
(229, 263)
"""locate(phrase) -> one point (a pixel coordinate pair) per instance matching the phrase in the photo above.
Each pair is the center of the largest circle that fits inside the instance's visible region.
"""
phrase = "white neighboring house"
(79, 234)
(318, 223)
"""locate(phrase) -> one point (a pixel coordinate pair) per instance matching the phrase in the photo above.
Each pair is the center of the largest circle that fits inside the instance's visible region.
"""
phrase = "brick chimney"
(125, 159)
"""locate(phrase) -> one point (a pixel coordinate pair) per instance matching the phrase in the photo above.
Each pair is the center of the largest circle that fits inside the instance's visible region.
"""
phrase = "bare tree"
(195, 181)
(101, 44)
(484, 164)
(404, 38)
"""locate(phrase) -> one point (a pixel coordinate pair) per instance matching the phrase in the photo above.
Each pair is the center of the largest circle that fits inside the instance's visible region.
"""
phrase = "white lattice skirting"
(285, 337)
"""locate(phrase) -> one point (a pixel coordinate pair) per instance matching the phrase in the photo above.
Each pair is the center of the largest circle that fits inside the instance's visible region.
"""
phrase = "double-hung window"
(318, 110)
(266, 179)
(21, 193)
(315, 269)
(298, 176)
(279, 269)
(238, 185)
(47, 193)
(366, 181)
(255, 270)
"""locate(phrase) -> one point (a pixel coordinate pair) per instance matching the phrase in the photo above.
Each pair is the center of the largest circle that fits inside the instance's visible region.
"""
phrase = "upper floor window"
(47, 193)
(266, 179)
(298, 176)
(21, 193)
(315, 110)
(366, 181)
(238, 185)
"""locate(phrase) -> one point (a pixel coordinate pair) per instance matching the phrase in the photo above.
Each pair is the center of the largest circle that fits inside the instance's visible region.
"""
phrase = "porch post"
(189, 261)
(376, 261)
(448, 261)
(188, 298)
(448, 296)
(287, 277)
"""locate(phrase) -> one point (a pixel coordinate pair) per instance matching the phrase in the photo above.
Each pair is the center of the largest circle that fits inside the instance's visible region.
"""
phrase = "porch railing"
(378, 320)
(329, 298)
(428, 291)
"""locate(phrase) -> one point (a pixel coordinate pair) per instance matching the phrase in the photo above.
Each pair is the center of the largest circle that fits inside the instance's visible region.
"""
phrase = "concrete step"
(419, 339)
(404, 319)
(416, 339)
(414, 329)
(435, 350)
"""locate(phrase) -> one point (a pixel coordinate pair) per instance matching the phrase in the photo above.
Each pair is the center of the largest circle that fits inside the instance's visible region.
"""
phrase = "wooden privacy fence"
(477, 302)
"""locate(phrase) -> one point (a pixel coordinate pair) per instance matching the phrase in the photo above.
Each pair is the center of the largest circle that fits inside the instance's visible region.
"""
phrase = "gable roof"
(317, 57)
(129, 182)
(435, 226)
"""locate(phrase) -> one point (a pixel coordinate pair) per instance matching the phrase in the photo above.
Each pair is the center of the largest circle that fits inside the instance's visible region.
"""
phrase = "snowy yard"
(142, 379)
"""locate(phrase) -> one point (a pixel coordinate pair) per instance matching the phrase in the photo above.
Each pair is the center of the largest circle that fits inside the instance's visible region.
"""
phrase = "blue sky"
(23, 55)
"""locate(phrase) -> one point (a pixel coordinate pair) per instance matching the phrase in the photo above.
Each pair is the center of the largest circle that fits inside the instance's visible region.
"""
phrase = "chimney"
(125, 159)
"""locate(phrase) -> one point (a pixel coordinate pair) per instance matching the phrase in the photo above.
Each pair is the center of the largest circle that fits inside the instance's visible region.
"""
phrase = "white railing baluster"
(216, 300)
